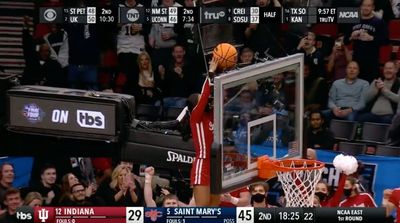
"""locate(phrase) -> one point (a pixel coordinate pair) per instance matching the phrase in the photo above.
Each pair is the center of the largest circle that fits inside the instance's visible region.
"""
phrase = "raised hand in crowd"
(49, 197)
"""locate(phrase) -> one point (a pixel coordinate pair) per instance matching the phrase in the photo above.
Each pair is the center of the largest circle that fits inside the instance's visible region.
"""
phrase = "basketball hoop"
(297, 176)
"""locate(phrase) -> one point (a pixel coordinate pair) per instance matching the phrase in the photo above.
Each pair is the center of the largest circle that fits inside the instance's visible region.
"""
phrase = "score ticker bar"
(203, 15)
(201, 214)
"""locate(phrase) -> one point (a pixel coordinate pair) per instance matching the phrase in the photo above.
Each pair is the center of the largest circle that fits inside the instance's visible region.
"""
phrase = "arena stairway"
(11, 20)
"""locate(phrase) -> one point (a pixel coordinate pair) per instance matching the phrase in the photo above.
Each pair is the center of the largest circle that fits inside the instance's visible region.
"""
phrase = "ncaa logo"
(50, 15)
(90, 119)
(132, 15)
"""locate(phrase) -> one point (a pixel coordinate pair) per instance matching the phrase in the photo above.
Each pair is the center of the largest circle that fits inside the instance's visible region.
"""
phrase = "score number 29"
(134, 215)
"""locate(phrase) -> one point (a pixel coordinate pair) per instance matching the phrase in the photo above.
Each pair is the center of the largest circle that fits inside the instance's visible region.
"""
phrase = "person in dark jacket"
(13, 200)
(367, 37)
(317, 135)
(40, 69)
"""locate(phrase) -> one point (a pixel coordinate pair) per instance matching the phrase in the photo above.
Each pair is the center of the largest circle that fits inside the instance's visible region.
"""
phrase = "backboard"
(258, 110)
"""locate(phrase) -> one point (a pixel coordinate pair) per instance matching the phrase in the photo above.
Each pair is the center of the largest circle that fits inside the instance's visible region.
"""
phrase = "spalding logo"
(179, 158)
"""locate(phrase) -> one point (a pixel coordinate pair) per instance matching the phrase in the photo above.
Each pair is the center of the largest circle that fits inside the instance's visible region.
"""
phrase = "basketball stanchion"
(298, 177)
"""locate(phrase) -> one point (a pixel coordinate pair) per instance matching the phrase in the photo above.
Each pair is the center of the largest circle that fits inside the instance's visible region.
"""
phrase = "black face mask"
(321, 196)
(347, 192)
(258, 198)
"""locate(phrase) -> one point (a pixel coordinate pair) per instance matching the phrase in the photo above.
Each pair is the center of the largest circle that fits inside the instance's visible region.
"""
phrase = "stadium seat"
(148, 112)
(343, 130)
(383, 150)
(398, 54)
(172, 112)
(376, 133)
(394, 30)
(323, 29)
(351, 148)
(384, 53)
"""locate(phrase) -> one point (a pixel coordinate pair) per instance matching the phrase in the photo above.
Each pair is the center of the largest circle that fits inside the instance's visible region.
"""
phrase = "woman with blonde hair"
(123, 190)
(33, 199)
(146, 92)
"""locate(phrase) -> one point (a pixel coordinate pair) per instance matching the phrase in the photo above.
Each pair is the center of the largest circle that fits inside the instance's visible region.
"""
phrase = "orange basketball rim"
(268, 168)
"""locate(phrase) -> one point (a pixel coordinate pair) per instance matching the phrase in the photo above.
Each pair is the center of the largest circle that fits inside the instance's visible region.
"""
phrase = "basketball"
(226, 54)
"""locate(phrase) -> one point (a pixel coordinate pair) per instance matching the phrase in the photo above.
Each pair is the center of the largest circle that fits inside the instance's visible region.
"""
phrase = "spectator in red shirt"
(322, 192)
(391, 200)
(353, 197)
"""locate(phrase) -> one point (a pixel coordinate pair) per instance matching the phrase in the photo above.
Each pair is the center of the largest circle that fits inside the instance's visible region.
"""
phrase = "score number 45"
(245, 215)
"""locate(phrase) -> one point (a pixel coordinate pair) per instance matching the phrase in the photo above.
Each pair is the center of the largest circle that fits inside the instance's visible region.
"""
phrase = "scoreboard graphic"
(202, 15)
(198, 215)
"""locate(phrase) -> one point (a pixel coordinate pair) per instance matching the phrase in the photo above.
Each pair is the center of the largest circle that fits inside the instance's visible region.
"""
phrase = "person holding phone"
(338, 59)
(313, 57)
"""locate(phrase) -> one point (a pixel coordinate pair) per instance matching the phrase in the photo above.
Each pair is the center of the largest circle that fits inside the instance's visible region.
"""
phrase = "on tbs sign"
(62, 116)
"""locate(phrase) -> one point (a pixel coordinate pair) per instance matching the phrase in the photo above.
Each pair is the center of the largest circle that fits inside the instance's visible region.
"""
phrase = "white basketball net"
(299, 185)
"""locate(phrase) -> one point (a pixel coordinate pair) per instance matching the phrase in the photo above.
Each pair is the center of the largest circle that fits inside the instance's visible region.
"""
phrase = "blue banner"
(380, 172)
(22, 169)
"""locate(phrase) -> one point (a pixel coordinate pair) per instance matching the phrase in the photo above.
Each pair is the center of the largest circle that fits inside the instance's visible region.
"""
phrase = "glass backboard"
(258, 111)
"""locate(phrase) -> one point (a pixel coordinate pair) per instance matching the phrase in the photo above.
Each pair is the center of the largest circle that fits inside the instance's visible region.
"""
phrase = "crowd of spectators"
(159, 64)
(162, 64)
(125, 187)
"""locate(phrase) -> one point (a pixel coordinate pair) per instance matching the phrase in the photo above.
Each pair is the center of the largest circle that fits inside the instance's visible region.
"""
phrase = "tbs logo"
(24, 214)
(90, 119)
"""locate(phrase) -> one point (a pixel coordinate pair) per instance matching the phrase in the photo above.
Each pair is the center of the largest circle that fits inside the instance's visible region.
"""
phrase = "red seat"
(284, 27)
(384, 53)
(394, 29)
(110, 59)
(325, 30)
(120, 82)
(398, 54)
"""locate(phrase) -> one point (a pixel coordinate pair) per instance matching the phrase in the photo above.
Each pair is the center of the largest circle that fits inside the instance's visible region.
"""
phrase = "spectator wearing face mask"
(325, 197)
(353, 196)
(259, 192)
